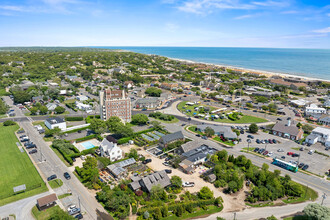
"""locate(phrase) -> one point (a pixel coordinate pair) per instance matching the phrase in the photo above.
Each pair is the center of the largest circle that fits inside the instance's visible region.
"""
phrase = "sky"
(205, 23)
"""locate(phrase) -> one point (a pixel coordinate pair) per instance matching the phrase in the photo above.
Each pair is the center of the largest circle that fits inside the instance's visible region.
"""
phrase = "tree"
(153, 91)
(33, 110)
(249, 105)
(307, 128)
(3, 107)
(133, 154)
(232, 186)
(43, 110)
(112, 122)
(299, 125)
(139, 119)
(271, 218)
(223, 155)
(209, 132)
(122, 130)
(253, 128)
(157, 213)
(176, 181)
(164, 211)
(9, 123)
(205, 193)
(21, 96)
(98, 126)
(179, 210)
(59, 110)
(262, 99)
(264, 107)
(315, 211)
(90, 172)
(157, 125)
(53, 132)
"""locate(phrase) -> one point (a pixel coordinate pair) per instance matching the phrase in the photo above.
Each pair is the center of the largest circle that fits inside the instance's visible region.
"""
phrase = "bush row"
(71, 106)
(79, 118)
(127, 139)
(89, 137)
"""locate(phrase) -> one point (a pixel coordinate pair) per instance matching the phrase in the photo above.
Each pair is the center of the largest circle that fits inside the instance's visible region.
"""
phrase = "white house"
(52, 123)
(109, 148)
(314, 109)
(82, 98)
(84, 107)
(321, 135)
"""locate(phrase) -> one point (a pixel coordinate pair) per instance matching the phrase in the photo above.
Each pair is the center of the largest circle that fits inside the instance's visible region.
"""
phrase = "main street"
(49, 163)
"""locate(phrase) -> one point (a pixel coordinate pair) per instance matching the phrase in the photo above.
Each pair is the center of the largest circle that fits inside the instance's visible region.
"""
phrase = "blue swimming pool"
(87, 145)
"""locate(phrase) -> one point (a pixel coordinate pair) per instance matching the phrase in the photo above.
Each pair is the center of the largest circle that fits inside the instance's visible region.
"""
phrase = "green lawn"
(55, 183)
(245, 119)
(230, 143)
(16, 169)
(199, 213)
(64, 195)
(175, 120)
(299, 217)
(45, 214)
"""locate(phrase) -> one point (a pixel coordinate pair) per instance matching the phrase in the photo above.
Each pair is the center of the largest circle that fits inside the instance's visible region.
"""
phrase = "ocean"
(314, 63)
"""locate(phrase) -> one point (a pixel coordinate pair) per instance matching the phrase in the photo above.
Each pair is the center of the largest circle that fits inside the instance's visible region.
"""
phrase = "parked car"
(74, 211)
(22, 136)
(204, 137)
(256, 149)
(27, 143)
(31, 146)
(168, 170)
(167, 159)
(301, 149)
(242, 131)
(250, 136)
(79, 216)
(20, 132)
(289, 153)
(270, 154)
(258, 141)
(71, 207)
(166, 163)
(51, 177)
(188, 184)
(274, 141)
(33, 151)
(146, 161)
(295, 155)
(311, 152)
(265, 153)
(183, 125)
(280, 119)
(301, 165)
(270, 141)
(283, 157)
(198, 135)
(305, 167)
(280, 150)
(67, 175)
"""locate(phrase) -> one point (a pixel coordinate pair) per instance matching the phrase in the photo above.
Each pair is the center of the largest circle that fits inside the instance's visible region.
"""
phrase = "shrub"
(89, 137)
(74, 118)
(9, 123)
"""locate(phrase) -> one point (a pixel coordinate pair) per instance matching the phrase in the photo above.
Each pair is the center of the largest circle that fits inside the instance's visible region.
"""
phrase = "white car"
(270, 154)
(71, 207)
(166, 163)
(188, 184)
(280, 150)
(311, 152)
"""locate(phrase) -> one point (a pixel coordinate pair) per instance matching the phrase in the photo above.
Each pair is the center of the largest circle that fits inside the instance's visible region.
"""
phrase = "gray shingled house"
(147, 182)
(170, 138)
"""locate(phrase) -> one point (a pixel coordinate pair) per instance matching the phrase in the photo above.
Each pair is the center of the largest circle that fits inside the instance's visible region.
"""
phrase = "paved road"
(49, 163)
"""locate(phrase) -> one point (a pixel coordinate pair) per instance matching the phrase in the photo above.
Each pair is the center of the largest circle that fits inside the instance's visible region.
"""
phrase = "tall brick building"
(115, 103)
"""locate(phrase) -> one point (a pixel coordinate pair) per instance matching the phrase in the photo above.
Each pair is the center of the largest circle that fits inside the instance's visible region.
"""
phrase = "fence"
(11, 191)
(76, 127)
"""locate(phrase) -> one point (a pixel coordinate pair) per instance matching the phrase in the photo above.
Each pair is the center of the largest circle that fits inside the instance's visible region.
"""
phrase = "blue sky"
(212, 23)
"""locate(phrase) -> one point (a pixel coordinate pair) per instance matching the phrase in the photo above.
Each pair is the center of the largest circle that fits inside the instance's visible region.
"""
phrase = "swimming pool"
(87, 145)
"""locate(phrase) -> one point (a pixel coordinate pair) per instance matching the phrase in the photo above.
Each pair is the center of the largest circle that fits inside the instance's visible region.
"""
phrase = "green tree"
(133, 154)
(299, 125)
(249, 105)
(43, 110)
(21, 96)
(164, 211)
(253, 128)
(262, 99)
(33, 110)
(209, 132)
(3, 107)
(176, 181)
(153, 91)
(179, 210)
(271, 218)
(98, 126)
(157, 125)
(59, 110)
(205, 193)
(139, 119)
(90, 172)
(307, 128)
(315, 211)
(232, 186)
(223, 155)
(112, 122)
(157, 213)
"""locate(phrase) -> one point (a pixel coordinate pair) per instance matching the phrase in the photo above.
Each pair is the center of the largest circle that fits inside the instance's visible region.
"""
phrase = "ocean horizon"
(313, 63)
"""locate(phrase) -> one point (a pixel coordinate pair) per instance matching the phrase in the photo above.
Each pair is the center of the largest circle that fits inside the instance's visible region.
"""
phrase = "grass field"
(55, 183)
(45, 214)
(198, 213)
(245, 119)
(16, 169)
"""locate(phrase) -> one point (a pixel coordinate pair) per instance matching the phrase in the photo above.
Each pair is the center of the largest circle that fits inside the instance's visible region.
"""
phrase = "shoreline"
(268, 74)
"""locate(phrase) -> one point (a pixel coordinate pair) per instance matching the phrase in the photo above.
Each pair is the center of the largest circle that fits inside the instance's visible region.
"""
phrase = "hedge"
(78, 118)
(75, 130)
(89, 137)
(71, 106)
(90, 117)
(127, 139)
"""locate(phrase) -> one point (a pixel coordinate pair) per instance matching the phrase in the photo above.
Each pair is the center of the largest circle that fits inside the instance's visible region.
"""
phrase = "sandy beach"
(253, 71)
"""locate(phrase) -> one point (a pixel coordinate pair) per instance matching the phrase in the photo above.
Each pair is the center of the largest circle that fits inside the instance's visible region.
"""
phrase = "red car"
(289, 153)
(265, 153)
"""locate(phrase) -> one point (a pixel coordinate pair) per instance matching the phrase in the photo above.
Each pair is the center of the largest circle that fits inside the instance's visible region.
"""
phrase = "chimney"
(289, 122)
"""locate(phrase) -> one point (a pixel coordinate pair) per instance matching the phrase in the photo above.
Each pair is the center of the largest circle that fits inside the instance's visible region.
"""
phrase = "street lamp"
(249, 141)
(265, 146)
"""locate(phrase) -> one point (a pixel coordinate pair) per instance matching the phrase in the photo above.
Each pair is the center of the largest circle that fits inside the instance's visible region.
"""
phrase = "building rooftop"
(171, 137)
(281, 127)
(46, 200)
(55, 120)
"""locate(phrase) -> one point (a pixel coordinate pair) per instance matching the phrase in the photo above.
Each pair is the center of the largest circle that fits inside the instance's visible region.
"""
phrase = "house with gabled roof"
(108, 148)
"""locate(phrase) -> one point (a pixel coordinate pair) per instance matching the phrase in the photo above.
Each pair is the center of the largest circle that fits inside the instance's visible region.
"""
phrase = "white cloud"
(290, 12)
(171, 27)
(245, 16)
(12, 8)
(322, 31)
(271, 3)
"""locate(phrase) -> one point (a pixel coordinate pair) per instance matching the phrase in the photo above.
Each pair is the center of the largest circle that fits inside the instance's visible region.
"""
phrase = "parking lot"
(318, 164)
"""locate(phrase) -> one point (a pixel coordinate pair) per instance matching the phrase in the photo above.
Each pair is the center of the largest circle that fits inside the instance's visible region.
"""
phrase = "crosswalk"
(30, 119)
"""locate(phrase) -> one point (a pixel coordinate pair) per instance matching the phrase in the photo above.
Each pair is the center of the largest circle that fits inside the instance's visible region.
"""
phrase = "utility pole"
(79, 203)
(323, 197)
(249, 141)
(234, 215)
